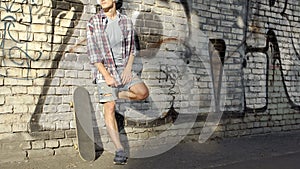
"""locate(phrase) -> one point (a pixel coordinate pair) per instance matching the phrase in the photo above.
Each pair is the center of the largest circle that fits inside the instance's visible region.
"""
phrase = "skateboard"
(84, 124)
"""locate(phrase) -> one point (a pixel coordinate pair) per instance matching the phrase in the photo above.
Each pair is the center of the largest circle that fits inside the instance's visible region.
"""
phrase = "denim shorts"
(108, 93)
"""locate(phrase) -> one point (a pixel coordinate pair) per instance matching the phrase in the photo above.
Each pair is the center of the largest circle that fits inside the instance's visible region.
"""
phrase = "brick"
(50, 109)
(47, 126)
(64, 108)
(6, 110)
(55, 82)
(43, 65)
(34, 90)
(233, 127)
(26, 146)
(290, 122)
(68, 65)
(71, 134)
(36, 19)
(2, 72)
(17, 100)
(277, 117)
(5, 91)
(70, 57)
(71, 73)
(86, 74)
(24, 36)
(66, 142)
(276, 129)
(20, 109)
(14, 72)
(40, 135)
(5, 128)
(250, 125)
(19, 127)
(51, 144)
(56, 39)
(62, 125)
(72, 124)
(257, 130)
(41, 73)
(60, 31)
(66, 23)
(38, 145)
(38, 28)
(297, 116)
(287, 128)
(19, 90)
(9, 118)
(63, 90)
(39, 82)
(2, 101)
(56, 134)
(53, 117)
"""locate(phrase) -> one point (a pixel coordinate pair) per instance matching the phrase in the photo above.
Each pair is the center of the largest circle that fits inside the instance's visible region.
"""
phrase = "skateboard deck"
(84, 124)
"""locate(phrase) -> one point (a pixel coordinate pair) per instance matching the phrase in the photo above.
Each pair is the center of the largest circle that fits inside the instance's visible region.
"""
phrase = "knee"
(109, 108)
(143, 95)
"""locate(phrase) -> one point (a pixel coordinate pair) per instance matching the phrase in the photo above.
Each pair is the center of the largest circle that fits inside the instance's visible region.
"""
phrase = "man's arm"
(93, 50)
(127, 74)
(110, 81)
(94, 53)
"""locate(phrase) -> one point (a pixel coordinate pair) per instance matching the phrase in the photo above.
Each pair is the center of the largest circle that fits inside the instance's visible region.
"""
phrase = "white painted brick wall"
(26, 93)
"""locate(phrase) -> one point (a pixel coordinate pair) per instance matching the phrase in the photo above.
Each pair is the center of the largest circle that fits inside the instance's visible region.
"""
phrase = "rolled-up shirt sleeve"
(93, 50)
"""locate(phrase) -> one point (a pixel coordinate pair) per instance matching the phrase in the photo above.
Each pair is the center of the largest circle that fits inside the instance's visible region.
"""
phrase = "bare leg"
(111, 124)
(136, 92)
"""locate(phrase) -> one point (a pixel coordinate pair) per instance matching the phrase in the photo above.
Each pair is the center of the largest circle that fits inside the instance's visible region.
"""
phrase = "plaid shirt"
(98, 47)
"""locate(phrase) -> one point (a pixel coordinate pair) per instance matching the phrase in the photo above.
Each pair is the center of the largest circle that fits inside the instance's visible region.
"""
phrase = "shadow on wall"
(59, 10)
(149, 39)
(145, 40)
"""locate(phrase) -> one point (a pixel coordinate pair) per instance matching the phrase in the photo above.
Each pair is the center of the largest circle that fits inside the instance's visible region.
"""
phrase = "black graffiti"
(217, 49)
(170, 74)
(273, 56)
(272, 3)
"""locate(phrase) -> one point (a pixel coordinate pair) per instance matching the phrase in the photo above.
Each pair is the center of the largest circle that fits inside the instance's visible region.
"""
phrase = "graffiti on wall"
(33, 41)
(15, 46)
(274, 55)
(32, 36)
(16, 52)
(183, 63)
(31, 31)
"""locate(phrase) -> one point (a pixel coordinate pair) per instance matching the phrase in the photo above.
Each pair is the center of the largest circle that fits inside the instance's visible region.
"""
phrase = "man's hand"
(126, 75)
(110, 81)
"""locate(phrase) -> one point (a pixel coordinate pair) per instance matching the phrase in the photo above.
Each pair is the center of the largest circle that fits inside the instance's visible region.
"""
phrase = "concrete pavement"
(270, 151)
